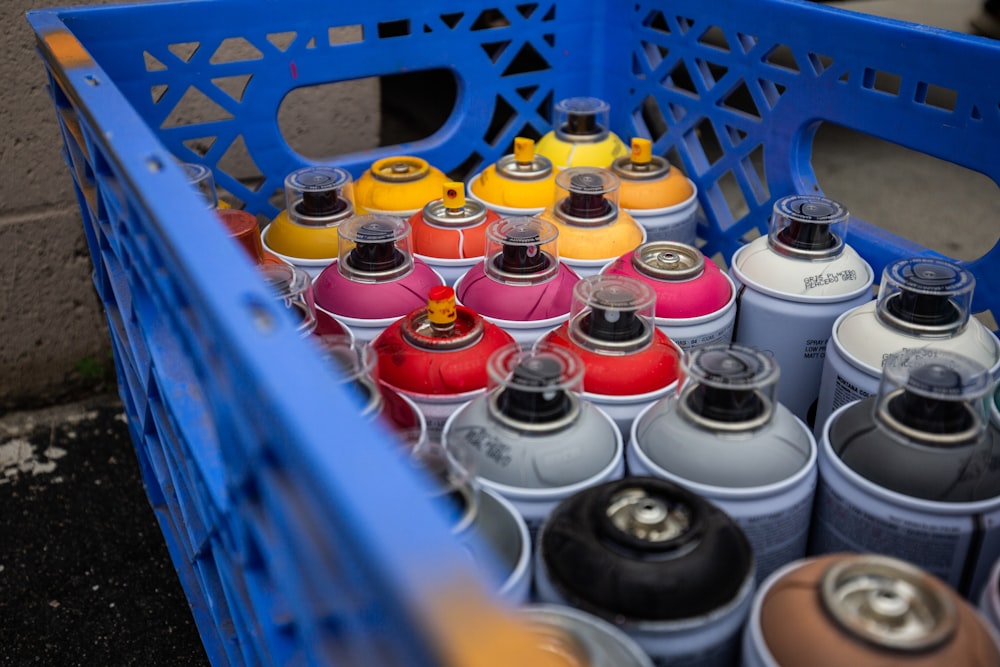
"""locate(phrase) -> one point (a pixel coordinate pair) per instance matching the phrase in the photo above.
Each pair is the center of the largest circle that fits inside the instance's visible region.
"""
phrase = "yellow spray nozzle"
(642, 151)
(454, 195)
(441, 305)
(524, 149)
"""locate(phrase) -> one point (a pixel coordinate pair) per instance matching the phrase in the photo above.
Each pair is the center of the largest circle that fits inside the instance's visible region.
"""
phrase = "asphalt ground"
(85, 577)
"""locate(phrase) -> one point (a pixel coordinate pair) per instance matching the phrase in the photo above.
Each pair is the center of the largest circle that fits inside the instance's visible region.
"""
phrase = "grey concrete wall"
(53, 336)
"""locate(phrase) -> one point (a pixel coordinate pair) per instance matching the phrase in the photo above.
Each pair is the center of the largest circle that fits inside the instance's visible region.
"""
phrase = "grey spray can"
(725, 436)
(914, 471)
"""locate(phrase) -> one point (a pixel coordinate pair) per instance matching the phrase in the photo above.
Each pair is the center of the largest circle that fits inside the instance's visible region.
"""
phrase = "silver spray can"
(914, 471)
(695, 299)
(725, 437)
(576, 639)
(531, 436)
(792, 285)
(863, 610)
(662, 563)
(923, 303)
(486, 525)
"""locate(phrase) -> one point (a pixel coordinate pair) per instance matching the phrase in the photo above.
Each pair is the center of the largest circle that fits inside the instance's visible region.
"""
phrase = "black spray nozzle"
(581, 124)
(376, 250)
(917, 303)
(804, 235)
(530, 405)
(522, 252)
(617, 323)
(730, 404)
(586, 197)
(321, 203)
(946, 412)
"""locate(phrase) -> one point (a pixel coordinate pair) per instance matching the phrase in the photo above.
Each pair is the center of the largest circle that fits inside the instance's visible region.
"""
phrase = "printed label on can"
(957, 548)
(778, 537)
(824, 279)
(845, 392)
(688, 343)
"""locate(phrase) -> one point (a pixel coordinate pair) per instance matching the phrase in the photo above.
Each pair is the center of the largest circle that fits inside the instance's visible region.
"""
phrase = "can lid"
(442, 325)
(375, 248)
(582, 119)
(641, 165)
(729, 387)
(319, 196)
(612, 313)
(926, 296)
(808, 227)
(453, 475)
(292, 287)
(400, 169)
(643, 549)
(668, 260)
(933, 396)
(535, 390)
(356, 366)
(202, 179)
(578, 639)
(888, 603)
(521, 250)
(453, 209)
(586, 196)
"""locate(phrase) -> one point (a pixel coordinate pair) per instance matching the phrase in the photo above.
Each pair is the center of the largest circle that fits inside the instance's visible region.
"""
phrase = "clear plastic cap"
(293, 288)
(728, 387)
(203, 181)
(612, 314)
(582, 118)
(319, 196)
(453, 472)
(534, 387)
(357, 366)
(808, 227)
(587, 195)
(375, 248)
(933, 396)
(925, 296)
(521, 250)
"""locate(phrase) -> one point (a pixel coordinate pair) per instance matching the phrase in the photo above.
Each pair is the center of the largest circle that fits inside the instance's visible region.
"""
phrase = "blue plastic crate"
(295, 531)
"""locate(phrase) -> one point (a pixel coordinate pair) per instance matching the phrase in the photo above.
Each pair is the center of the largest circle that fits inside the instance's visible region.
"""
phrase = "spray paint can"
(356, 368)
(791, 287)
(578, 639)
(293, 289)
(489, 528)
(725, 437)
(242, 227)
(695, 300)
(580, 136)
(669, 568)
(533, 439)
(520, 285)
(376, 280)
(923, 303)
(450, 233)
(628, 362)
(317, 200)
(862, 610)
(593, 230)
(660, 198)
(989, 601)
(399, 185)
(521, 183)
(914, 471)
(434, 355)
